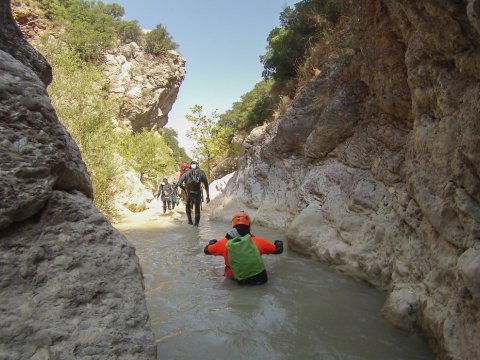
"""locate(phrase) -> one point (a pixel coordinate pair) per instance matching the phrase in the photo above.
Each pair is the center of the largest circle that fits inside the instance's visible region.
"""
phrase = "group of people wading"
(242, 251)
(190, 184)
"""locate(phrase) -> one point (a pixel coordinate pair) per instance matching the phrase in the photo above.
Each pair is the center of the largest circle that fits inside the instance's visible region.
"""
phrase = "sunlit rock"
(375, 167)
(71, 286)
(144, 86)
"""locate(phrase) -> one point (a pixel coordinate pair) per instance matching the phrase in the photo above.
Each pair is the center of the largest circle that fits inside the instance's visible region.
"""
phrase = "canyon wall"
(70, 285)
(375, 167)
(144, 86)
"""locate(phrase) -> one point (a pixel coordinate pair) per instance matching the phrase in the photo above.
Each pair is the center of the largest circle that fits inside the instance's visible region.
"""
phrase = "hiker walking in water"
(243, 252)
(183, 169)
(191, 183)
(165, 192)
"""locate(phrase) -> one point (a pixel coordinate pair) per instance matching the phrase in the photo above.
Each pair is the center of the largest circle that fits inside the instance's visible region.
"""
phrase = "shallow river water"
(305, 311)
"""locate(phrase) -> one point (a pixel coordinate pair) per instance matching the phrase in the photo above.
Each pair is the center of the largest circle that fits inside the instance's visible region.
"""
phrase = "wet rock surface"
(375, 168)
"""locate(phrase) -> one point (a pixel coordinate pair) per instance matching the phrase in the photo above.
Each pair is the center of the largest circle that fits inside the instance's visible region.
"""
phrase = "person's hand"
(278, 246)
(213, 241)
(208, 199)
(232, 233)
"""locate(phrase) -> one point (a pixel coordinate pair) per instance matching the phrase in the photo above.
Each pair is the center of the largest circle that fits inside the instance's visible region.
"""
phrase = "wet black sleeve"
(181, 181)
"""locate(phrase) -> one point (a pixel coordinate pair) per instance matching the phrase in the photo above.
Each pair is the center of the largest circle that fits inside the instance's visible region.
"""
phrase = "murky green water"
(305, 311)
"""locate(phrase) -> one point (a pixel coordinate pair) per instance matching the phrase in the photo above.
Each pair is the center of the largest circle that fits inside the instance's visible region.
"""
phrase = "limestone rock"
(38, 155)
(13, 43)
(144, 86)
(469, 268)
(71, 286)
(375, 167)
(135, 197)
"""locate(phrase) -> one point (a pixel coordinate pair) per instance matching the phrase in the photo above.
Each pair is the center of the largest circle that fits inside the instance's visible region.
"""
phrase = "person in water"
(191, 182)
(242, 252)
(165, 192)
(183, 169)
(175, 195)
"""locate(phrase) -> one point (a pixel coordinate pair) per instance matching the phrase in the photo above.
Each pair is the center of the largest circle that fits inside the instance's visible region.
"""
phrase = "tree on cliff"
(148, 154)
(209, 138)
(159, 40)
(300, 26)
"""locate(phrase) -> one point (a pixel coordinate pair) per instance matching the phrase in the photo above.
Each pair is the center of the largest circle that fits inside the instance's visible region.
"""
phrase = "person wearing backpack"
(191, 182)
(165, 192)
(242, 252)
(183, 169)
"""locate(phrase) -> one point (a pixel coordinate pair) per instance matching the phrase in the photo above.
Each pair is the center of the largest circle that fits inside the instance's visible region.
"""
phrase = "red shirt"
(220, 249)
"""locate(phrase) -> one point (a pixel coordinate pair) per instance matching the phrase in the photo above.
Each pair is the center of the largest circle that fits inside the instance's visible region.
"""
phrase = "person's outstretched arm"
(266, 247)
(216, 248)
(211, 242)
(278, 246)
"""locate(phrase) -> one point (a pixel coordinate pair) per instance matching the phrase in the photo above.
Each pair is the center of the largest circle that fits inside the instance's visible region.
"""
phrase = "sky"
(221, 41)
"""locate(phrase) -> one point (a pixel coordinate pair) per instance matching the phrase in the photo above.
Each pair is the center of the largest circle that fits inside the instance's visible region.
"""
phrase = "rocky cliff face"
(375, 168)
(70, 284)
(29, 21)
(144, 86)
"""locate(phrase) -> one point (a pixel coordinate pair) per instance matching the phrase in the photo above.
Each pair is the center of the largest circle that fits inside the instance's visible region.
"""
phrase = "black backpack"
(193, 179)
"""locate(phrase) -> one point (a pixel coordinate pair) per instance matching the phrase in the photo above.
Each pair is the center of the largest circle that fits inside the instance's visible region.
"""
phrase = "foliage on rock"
(73, 87)
(158, 40)
(301, 26)
(79, 94)
(310, 32)
(92, 27)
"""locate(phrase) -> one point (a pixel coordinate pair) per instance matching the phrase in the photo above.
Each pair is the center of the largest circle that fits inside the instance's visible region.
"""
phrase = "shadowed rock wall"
(70, 284)
(375, 168)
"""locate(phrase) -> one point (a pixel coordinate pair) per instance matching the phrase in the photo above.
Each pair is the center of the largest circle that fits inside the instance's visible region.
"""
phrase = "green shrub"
(178, 153)
(159, 40)
(129, 31)
(148, 154)
(89, 25)
(86, 112)
(90, 41)
(115, 11)
(253, 109)
(301, 26)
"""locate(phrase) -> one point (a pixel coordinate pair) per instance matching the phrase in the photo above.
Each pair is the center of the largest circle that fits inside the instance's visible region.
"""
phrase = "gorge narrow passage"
(305, 311)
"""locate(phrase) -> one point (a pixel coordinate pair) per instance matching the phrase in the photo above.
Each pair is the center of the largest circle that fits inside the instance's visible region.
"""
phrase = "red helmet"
(240, 218)
(184, 166)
